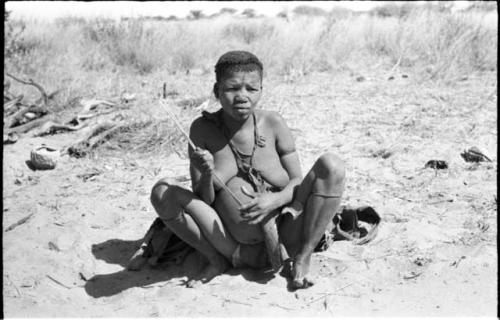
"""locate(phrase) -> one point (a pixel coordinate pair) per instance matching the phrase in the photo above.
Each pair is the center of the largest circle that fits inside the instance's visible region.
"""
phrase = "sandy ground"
(435, 254)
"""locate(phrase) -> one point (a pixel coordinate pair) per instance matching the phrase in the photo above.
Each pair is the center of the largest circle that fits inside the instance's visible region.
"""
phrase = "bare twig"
(58, 282)
(30, 82)
(177, 123)
(19, 222)
(282, 307)
(412, 275)
(329, 294)
(396, 65)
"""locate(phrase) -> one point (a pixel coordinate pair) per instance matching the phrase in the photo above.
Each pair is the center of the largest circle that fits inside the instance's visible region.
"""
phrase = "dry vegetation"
(103, 58)
(387, 91)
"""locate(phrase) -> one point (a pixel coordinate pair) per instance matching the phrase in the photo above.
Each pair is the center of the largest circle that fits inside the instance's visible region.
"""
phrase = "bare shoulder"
(272, 118)
(275, 123)
(201, 130)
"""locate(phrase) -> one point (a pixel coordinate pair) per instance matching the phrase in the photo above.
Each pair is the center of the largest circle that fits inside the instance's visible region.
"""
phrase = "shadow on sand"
(116, 251)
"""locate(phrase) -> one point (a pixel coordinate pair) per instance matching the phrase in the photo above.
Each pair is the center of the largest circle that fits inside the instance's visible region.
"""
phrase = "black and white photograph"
(250, 159)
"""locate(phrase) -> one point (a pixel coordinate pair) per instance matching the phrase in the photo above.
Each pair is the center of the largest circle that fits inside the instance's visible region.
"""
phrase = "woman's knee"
(330, 166)
(165, 194)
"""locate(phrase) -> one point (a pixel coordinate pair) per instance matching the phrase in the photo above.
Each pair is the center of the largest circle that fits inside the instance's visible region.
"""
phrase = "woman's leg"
(320, 194)
(196, 223)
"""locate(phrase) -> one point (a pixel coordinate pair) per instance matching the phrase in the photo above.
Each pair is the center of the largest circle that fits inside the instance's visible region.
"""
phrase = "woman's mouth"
(241, 106)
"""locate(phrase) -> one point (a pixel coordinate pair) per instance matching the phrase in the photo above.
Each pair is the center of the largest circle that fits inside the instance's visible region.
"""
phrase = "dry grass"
(103, 58)
(423, 37)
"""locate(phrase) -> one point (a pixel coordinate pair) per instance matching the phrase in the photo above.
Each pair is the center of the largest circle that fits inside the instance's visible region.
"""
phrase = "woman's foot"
(216, 266)
(300, 270)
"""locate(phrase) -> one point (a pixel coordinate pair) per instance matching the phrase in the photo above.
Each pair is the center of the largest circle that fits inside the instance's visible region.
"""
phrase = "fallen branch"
(30, 125)
(12, 103)
(30, 82)
(51, 127)
(85, 116)
(93, 139)
(88, 105)
(18, 116)
(18, 223)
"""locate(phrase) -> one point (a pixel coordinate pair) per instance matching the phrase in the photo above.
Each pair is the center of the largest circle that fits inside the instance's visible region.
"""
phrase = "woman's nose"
(241, 94)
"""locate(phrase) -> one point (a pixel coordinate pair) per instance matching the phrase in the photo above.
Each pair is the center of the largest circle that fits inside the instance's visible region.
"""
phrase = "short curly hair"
(234, 61)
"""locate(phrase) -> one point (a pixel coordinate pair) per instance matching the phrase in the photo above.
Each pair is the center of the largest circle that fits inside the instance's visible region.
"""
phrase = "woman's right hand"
(203, 160)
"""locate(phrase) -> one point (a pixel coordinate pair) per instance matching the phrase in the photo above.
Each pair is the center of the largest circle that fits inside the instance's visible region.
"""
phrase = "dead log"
(30, 125)
(19, 115)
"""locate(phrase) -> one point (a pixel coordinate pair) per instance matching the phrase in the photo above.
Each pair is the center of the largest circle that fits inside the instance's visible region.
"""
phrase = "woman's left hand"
(257, 209)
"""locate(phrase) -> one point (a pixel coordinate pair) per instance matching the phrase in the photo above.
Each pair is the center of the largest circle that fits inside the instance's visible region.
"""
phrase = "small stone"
(53, 246)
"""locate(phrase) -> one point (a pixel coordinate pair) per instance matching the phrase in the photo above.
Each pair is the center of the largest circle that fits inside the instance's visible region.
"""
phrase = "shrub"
(249, 13)
(127, 43)
(248, 32)
(227, 10)
(487, 6)
(309, 11)
(14, 43)
(393, 10)
(196, 14)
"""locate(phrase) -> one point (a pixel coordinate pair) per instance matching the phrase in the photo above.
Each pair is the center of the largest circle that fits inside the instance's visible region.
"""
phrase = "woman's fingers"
(247, 192)
(256, 220)
(248, 205)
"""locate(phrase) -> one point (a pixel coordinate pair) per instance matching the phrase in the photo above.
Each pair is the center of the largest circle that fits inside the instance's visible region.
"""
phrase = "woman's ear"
(216, 90)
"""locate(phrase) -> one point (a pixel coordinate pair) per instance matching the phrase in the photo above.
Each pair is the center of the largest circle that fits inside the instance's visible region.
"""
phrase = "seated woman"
(251, 152)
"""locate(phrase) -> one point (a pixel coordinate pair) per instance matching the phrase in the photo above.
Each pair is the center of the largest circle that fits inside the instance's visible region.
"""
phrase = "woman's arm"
(263, 204)
(285, 147)
(201, 166)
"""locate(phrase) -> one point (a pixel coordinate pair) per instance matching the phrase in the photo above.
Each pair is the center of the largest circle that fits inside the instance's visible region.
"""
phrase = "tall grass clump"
(446, 44)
